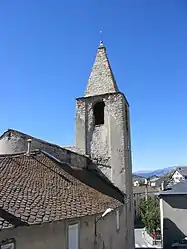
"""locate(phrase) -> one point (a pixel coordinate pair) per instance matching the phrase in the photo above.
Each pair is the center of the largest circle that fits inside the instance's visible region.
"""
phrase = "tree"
(150, 213)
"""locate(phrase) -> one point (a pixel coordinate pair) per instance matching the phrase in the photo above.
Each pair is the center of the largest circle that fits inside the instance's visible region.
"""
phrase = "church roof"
(37, 188)
(101, 80)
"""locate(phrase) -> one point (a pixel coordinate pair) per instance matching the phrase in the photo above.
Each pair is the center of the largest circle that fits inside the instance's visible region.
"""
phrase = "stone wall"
(13, 142)
(101, 79)
(106, 144)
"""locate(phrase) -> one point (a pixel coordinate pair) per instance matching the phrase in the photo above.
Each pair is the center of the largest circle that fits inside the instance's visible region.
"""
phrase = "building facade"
(72, 234)
(173, 210)
(179, 174)
(44, 204)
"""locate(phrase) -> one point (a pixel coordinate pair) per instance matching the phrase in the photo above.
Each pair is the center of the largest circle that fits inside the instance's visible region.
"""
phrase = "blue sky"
(46, 53)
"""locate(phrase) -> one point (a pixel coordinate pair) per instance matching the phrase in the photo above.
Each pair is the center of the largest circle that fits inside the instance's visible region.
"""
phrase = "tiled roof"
(5, 224)
(36, 189)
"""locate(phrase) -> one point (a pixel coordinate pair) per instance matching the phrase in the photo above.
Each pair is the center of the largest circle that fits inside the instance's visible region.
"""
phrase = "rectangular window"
(73, 236)
(8, 244)
(117, 220)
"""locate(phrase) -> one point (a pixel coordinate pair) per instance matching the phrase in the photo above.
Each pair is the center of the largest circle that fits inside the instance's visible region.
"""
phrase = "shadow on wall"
(148, 247)
(171, 233)
(138, 224)
(179, 202)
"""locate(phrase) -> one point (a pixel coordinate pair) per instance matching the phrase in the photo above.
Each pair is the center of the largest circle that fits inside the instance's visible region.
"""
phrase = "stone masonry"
(107, 144)
(101, 79)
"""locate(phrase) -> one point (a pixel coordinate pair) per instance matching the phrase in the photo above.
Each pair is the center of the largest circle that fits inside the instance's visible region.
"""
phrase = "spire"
(101, 79)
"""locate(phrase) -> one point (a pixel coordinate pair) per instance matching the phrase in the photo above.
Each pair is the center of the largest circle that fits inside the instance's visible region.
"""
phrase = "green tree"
(150, 213)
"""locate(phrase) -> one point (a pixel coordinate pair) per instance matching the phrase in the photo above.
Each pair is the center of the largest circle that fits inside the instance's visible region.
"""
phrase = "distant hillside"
(137, 177)
(158, 172)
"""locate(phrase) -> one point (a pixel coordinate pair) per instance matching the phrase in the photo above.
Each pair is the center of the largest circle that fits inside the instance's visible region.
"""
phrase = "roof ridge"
(40, 140)
(21, 153)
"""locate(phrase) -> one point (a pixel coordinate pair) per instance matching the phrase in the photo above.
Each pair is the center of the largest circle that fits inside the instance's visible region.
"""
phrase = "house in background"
(173, 212)
(137, 180)
(136, 183)
(179, 174)
(47, 204)
(152, 181)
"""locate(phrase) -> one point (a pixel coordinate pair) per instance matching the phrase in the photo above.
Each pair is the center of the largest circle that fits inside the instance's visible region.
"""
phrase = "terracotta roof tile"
(35, 189)
(5, 224)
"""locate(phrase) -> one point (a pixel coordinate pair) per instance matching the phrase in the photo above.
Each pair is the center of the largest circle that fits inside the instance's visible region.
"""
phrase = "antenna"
(101, 31)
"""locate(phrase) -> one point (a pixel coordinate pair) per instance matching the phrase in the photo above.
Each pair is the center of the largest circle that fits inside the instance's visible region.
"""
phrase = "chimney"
(29, 146)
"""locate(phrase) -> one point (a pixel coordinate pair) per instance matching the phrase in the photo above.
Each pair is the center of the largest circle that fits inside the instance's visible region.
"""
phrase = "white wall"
(54, 235)
(177, 177)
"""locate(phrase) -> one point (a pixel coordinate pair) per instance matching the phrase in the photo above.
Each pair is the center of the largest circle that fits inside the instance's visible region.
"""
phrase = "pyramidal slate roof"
(36, 188)
(101, 80)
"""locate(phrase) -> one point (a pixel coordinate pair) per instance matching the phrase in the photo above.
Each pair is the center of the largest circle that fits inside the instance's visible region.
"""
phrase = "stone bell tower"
(103, 131)
(103, 125)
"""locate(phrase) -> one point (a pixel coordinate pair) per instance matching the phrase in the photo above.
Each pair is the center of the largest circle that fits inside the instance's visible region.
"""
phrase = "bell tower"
(103, 125)
(103, 130)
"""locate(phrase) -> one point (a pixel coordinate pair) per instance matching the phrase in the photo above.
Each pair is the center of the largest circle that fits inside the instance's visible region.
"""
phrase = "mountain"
(158, 172)
(137, 177)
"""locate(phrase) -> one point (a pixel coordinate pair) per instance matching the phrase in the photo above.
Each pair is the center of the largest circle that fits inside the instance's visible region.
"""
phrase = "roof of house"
(153, 178)
(78, 167)
(182, 170)
(177, 189)
(37, 188)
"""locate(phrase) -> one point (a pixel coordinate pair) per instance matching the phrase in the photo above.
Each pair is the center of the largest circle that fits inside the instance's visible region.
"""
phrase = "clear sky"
(47, 48)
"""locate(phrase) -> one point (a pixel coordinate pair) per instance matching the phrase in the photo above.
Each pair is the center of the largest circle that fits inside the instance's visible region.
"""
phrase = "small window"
(73, 236)
(117, 220)
(8, 244)
(99, 113)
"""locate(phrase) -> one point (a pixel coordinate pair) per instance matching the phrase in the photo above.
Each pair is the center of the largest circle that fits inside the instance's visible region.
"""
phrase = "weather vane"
(101, 31)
